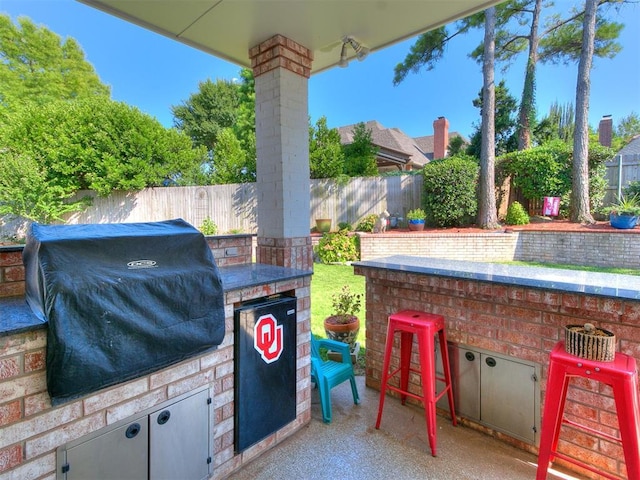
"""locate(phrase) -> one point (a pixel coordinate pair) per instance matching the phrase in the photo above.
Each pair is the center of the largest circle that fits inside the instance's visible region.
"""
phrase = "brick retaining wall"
(601, 249)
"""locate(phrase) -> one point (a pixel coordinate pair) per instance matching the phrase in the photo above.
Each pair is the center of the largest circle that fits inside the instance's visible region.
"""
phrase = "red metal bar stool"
(622, 376)
(424, 326)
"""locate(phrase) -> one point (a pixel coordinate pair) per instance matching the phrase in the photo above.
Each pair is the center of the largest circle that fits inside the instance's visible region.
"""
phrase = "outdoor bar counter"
(32, 430)
(516, 314)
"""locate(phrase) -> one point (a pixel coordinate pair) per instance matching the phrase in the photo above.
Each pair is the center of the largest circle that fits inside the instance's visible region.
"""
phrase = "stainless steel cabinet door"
(508, 396)
(179, 443)
(119, 454)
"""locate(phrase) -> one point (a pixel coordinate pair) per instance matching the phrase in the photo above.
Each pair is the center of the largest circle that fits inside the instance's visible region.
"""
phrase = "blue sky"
(153, 73)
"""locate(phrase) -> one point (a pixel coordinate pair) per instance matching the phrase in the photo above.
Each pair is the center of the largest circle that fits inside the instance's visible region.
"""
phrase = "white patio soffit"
(229, 28)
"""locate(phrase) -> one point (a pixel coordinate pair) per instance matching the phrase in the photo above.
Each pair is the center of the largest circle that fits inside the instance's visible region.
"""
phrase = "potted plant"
(343, 324)
(415, 218)
(624, 213)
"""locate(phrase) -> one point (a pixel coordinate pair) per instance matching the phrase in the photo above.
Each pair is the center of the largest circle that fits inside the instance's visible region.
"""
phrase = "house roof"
(631, 148)
(426, 143)
(392, 141)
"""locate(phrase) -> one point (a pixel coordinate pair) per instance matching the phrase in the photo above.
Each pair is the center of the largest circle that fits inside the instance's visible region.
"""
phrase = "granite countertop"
(16, 316)
(562, 280)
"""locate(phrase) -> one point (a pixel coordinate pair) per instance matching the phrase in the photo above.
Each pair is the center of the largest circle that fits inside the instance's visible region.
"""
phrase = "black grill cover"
(121, 300)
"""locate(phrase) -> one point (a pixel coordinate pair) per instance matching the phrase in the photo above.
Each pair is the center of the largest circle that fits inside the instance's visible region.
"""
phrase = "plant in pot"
(416, 218)
(343, 324)
(624, 213)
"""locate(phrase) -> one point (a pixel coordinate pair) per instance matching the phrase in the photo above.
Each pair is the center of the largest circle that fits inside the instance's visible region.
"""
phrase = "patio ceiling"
(229, 28)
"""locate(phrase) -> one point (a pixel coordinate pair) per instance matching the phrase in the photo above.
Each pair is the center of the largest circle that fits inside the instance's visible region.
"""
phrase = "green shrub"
(546, 171)
(208, 227)
(450, 191)
(367, 223)
(516, 215)
(337, 247)
(345, 226)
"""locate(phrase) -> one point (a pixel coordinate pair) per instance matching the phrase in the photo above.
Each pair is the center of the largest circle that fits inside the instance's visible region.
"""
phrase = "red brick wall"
(31, 429)
(227, 251)
(524, 323)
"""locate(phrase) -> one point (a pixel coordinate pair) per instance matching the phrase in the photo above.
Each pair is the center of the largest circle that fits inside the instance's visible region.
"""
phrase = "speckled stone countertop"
(571, 281)
(16, 316)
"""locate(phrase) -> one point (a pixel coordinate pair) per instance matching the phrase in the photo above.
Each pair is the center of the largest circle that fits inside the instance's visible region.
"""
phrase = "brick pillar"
(281, 69)
(440, 137)
(605, 131)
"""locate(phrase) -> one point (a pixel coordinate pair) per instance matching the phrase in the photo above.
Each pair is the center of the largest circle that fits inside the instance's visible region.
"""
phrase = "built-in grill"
(121, 300)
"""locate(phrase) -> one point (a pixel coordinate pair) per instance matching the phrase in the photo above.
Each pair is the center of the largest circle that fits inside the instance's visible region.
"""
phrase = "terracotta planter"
(323, 225)
(416, 225)
(342, 332)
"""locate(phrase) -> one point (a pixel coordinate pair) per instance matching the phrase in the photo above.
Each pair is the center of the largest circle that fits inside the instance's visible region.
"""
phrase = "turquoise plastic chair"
(326, 374)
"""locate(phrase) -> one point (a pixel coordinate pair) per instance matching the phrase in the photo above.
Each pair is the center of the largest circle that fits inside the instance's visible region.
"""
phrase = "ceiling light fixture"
(361, 50)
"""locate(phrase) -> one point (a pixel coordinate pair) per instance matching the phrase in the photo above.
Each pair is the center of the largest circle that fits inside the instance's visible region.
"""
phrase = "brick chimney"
(440, 137)
(605, 131)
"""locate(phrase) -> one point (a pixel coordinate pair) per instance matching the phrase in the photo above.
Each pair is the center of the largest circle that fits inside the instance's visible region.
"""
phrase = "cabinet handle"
(470, 356)
(164, 417)
(133, 430)
(491, 362)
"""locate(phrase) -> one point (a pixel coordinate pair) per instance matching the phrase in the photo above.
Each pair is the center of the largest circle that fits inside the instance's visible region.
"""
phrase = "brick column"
(281, 69)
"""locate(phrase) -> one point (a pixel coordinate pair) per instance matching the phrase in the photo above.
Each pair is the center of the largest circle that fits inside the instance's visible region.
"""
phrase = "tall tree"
(360, 155)
(580, 211)
(487, 214)
(326, 158)
(214, 106)
(556, 43)
(505, 124)
(37, 66)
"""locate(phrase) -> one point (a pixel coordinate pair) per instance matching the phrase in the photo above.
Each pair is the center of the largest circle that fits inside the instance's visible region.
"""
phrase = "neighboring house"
(398, 151)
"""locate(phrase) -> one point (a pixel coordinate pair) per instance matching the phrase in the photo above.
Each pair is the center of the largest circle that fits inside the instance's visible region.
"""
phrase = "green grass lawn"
(326, 281)
(623, 271)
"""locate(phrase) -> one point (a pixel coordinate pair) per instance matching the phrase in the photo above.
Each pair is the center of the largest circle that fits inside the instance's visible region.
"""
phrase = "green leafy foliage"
(337, 247)
(326, 158)
(230, 163)
(346, 304)
(26, 192)
(449, 195)
(416, 214)
(516, 215)
(212, 108)
(345, 226)
(545, 171)
(38, 67)
(506, 107)
(367, 223)
(208, 227)
(360, 154)
(625, 205)
(98, 144)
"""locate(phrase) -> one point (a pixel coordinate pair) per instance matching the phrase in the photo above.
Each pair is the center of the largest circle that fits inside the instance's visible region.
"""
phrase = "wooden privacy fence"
(621, 170)
(233, 207)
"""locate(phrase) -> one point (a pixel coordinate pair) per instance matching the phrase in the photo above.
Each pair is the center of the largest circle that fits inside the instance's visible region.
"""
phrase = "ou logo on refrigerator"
(267, 338)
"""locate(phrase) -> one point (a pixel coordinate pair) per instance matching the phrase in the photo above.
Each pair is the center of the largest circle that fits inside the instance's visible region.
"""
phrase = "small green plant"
(367, 223)
(625, 206)
(345, 226)
(208, 227)
(346, 304)
(337, 247)
(416, 214)
(516, 215)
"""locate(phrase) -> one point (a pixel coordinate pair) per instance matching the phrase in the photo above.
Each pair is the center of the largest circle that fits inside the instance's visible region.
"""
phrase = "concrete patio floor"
(351, 448)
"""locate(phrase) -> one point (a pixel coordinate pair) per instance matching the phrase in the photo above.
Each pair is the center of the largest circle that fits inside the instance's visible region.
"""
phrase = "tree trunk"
(487, 216)
(527, 106)
(580, 211)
